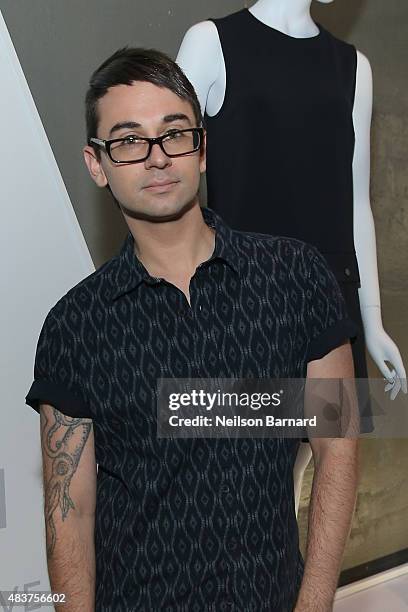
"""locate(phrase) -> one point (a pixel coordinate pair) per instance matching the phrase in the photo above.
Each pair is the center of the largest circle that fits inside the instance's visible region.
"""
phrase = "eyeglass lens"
(175, 143)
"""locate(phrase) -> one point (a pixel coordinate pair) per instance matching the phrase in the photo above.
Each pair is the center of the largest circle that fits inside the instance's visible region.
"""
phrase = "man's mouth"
(162, 185)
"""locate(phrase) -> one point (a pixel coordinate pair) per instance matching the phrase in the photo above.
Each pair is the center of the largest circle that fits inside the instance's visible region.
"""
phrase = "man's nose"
(157, 157)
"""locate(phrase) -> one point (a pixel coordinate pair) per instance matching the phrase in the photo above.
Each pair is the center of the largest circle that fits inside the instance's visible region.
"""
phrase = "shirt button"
(347, 271)
(225, 488)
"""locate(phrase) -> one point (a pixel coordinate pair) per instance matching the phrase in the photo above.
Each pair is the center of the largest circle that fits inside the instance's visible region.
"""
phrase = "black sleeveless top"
(280, 150)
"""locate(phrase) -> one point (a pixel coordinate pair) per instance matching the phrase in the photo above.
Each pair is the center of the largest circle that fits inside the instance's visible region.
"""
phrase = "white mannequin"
(201, 58)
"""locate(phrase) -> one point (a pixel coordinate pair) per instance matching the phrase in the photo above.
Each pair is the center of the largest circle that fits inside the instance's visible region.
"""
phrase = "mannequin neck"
(292, 18)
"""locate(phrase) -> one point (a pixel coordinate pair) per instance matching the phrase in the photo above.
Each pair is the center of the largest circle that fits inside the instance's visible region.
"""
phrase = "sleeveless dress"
(280, 150)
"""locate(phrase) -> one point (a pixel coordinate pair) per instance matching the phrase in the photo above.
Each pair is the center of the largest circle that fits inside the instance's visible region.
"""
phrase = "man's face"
(146, 110)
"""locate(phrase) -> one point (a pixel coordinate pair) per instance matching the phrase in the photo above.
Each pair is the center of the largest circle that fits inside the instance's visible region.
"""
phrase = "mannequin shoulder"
(364, 85)
(363, 103)
(199, 57)
(201, 37)
(364, 75)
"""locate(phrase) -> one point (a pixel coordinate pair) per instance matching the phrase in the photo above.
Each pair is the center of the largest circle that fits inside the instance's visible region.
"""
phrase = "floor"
(391, 595)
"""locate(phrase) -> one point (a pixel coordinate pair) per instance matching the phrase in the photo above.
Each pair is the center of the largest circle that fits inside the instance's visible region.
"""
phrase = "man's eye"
(174, 134)
(130, 140)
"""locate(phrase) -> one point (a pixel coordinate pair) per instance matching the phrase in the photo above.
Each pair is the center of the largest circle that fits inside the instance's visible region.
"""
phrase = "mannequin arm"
(364, 230)
(379, 344)
(199, 58)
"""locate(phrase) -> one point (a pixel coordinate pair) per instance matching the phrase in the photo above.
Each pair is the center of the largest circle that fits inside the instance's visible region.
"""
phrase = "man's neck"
(173, 249)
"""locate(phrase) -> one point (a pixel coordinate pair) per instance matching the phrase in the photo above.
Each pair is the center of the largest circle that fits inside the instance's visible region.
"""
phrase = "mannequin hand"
(382, 348)
(395, 385)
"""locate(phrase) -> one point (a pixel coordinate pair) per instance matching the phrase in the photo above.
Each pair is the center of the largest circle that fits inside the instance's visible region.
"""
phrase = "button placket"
(227, 485)
(193, 312)
(201, 288)
(228, 491)
(229, 602)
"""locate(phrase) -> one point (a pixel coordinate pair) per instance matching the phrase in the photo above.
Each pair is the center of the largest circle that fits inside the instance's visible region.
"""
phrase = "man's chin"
(162, 212)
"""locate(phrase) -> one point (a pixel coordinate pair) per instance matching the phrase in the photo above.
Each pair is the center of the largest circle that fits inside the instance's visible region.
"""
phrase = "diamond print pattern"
(185, 524)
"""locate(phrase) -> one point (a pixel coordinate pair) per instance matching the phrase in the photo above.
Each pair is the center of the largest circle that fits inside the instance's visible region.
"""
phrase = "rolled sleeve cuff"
(332, 337)
(63, 399)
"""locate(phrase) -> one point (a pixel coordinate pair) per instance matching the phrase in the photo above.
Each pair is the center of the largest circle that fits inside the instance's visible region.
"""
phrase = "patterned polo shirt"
(204, 524)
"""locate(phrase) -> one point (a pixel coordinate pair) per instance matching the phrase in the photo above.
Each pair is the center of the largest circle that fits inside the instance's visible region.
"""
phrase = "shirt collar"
(130, 271)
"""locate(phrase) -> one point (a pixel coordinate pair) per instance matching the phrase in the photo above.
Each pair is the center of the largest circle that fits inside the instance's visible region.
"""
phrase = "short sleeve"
(56, 380)
(329, 323)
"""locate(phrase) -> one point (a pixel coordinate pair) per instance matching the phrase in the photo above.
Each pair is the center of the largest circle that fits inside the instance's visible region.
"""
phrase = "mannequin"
(201, 58)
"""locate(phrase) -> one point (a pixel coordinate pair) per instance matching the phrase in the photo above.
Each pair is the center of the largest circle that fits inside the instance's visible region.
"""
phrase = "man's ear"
(94, 166)
(203, 153)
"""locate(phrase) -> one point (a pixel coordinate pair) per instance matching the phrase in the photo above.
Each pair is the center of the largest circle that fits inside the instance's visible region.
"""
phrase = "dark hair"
(130, 64)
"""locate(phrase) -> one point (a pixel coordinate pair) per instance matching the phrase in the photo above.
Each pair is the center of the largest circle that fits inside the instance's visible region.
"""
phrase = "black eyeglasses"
(136, 149)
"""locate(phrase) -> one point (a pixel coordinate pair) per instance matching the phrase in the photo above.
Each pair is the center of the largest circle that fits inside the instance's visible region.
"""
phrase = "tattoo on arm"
(63, 440)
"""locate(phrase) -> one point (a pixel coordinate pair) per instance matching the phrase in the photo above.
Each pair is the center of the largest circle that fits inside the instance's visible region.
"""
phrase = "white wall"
(42, 254)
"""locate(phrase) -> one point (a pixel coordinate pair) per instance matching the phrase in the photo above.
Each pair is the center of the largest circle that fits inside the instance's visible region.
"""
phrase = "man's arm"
(69, 480)
(332, 500)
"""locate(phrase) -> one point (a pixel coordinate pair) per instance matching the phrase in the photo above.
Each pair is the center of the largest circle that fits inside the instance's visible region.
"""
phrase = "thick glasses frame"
(106, 144)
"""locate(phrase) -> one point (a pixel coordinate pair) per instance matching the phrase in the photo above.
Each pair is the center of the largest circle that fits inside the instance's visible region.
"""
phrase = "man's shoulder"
(90, 292)
(279, 247)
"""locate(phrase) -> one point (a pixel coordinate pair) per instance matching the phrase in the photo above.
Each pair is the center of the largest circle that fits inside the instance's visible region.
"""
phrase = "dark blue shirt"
(190, 525)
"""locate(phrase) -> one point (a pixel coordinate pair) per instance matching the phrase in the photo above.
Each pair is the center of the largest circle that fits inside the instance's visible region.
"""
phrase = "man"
(182, 524)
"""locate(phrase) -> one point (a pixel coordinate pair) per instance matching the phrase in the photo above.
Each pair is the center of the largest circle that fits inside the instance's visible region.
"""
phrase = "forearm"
(71, 563)
(330, 514)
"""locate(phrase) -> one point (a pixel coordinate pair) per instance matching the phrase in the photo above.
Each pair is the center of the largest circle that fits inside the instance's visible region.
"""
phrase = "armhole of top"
(354, 77)
(223, 104)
